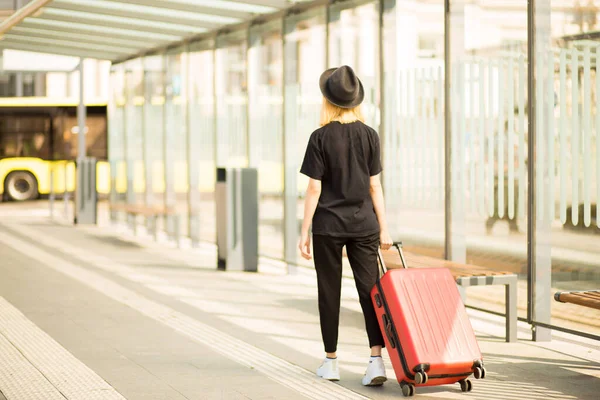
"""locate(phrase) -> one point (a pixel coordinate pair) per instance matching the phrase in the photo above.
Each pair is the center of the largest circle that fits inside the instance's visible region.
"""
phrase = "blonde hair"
(331, 113)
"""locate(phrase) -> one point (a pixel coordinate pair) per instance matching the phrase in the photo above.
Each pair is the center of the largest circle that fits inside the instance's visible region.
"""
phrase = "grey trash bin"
(86, 196)
(236, 200)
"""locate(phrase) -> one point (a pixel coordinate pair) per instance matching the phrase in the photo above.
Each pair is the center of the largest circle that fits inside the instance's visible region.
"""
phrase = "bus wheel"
(21, 186)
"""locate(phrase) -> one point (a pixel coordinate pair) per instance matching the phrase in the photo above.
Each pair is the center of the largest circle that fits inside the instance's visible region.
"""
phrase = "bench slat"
(142, 209)
(458, 270)
(589, 298)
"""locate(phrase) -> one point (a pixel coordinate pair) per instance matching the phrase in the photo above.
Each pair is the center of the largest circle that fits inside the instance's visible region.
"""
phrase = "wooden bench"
(149, 212)
(584, 298)
(467, 275)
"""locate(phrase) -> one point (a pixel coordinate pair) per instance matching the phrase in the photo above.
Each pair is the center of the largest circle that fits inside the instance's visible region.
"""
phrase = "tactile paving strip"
(62, 370)
(288, 374)
(21, 380)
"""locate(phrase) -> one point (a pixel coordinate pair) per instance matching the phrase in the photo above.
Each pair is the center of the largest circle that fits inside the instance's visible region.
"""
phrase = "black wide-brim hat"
(341, 87)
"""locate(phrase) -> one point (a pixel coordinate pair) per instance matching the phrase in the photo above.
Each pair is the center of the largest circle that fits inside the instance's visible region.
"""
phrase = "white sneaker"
(329, 370)
(375, 374)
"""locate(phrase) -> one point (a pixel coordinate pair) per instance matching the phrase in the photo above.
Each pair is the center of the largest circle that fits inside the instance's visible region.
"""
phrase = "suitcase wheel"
(408, 389)
(479, 372)
(465, 385)
(421, 378)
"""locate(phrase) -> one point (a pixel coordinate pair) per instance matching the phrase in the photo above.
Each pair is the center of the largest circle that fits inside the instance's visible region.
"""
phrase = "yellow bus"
(38, 140)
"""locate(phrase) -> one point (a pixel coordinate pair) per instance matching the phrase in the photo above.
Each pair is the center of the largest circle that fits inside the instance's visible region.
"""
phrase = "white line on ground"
(21, 380)
(43, 369)
(273, 367)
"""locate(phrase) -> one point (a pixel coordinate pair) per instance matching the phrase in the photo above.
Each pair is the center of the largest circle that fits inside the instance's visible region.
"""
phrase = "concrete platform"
(99, 313)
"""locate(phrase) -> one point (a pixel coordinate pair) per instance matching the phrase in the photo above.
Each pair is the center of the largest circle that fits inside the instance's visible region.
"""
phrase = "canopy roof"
(116, 30)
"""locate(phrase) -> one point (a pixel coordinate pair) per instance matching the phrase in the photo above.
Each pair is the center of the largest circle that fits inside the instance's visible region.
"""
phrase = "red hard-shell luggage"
(426, 328)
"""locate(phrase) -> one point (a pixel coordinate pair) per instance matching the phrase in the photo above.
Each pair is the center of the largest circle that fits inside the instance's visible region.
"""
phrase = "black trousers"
(362, 254)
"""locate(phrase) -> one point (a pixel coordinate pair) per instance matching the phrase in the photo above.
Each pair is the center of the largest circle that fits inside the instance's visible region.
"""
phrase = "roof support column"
(19, 84)
(81, 115)
(85, 195)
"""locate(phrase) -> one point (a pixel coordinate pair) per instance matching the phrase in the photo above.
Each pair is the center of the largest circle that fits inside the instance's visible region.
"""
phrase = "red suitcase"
(426, 328)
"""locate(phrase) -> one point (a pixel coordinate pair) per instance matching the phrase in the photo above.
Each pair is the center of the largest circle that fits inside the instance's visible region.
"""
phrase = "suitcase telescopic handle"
(382, 267)
(398, 245)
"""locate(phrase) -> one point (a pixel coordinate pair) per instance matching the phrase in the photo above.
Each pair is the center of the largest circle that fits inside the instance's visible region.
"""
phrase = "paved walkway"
(94, 313)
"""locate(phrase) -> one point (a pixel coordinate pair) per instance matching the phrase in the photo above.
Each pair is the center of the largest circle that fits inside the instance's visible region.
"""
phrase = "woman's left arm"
(313, 192)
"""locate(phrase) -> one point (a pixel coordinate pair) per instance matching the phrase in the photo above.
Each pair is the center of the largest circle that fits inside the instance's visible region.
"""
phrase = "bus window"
(24, 136)
(95, 137)
(51, 133)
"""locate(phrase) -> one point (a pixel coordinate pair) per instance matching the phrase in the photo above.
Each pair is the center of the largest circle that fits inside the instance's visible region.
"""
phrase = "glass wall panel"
(489, 142)
(202, 142)
(176, 168)
(116, 135)
(154, 79)
(95, 75)
(265, 81)
(305, 60)
(567, 161)
(354, 41)
(413, 143)
(232, 100)
(134, 107)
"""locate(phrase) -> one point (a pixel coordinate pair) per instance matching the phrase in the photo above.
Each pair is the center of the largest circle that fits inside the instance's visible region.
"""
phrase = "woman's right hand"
(385, 240)
(304, 245)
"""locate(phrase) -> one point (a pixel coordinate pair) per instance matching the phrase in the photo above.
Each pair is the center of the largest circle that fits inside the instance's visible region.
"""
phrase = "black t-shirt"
(344, 157)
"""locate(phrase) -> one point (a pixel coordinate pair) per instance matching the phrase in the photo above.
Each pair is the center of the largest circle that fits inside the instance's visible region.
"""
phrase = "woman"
(344, 202)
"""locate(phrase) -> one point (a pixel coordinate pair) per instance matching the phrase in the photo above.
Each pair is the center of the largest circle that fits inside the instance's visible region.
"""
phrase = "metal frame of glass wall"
(445, 109)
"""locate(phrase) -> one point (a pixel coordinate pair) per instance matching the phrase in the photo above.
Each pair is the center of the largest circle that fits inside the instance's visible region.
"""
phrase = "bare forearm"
(379, 205)
(310, 205)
